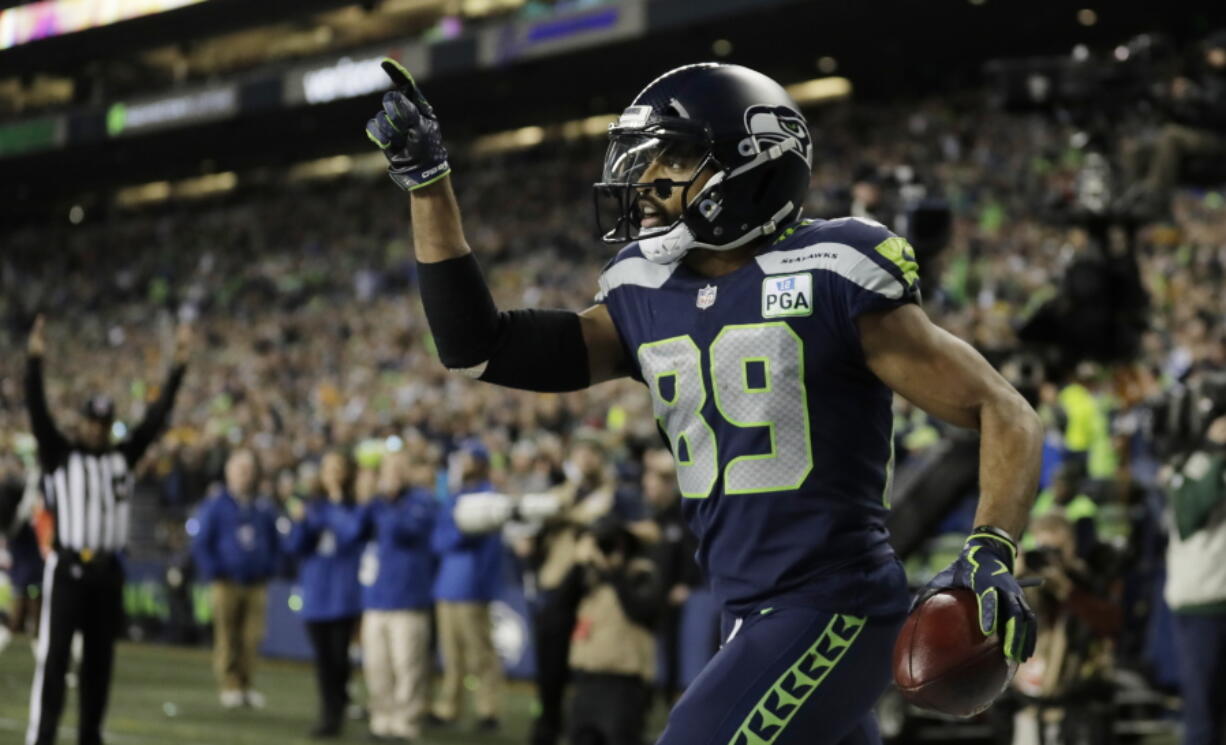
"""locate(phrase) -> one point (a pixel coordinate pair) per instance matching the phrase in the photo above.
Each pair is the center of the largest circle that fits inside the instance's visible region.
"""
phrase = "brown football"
(943, 662)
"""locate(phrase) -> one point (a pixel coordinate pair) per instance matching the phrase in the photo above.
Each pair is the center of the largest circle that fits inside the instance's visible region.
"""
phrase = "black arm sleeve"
(539, 350)
(155, 418)
(51, 444)
(535, 350)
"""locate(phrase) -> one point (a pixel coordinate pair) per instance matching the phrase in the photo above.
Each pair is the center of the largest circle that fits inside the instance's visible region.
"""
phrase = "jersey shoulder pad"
(630, 268)
(858, 250)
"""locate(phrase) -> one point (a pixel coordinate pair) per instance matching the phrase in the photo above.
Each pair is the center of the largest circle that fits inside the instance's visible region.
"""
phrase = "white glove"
(482, 512)
(538, 507)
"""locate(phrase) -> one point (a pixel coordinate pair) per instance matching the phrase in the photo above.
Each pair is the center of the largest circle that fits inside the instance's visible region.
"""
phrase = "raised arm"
(540, 350)
(155, 417)
(51, 443)
(944, 376)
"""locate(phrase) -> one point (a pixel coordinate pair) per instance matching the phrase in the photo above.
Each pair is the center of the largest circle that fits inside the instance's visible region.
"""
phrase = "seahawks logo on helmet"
(771, 125)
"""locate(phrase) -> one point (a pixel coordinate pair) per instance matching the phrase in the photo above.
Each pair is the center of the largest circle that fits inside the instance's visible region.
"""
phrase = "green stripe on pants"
(775, 709)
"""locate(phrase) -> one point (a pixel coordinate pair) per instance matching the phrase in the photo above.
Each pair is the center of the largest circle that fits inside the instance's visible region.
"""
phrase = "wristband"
(1000, 535)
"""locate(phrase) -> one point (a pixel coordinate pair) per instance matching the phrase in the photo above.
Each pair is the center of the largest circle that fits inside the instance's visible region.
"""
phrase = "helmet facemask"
(675, 157)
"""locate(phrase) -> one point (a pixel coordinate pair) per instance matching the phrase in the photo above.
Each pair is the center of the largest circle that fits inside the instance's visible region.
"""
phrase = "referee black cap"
(99, 408)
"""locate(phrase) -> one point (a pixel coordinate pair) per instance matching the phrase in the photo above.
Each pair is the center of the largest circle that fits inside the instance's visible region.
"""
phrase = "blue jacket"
(398, 567)
(328, 568)
(236, 542)
(470, 566)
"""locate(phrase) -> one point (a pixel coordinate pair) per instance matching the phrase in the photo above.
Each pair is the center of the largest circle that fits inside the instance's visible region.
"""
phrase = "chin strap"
(669, 247)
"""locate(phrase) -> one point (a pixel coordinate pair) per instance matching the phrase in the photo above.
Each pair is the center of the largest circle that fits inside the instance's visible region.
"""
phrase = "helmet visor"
(643, 166)
(640, 158)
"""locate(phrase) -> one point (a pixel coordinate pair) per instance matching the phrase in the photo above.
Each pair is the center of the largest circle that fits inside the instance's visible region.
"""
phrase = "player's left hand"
(407, 132)
(985, 567)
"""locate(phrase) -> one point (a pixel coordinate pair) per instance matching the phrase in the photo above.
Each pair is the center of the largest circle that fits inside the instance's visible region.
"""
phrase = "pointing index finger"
(401, 77)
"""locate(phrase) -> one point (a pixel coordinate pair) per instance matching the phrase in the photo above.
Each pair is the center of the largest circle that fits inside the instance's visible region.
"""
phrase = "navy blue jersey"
(781, 433)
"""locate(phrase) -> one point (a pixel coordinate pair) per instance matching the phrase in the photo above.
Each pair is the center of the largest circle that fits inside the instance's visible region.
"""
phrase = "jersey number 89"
(757, 377)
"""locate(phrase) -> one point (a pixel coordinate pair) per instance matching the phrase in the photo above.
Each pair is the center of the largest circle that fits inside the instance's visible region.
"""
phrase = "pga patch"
(787, 295)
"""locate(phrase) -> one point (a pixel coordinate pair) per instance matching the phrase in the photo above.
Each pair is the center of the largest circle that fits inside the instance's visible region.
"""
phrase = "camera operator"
(616, 587)
(1197, 107)
(587, 495)
(1069, 674)
(1196, 581)
(674, 555)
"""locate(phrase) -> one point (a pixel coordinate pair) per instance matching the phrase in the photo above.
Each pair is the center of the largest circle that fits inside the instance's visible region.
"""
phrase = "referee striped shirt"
(89, 495)
(89, 491)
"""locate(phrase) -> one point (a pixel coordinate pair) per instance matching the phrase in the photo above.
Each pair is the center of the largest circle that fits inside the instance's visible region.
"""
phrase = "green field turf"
(166, 696)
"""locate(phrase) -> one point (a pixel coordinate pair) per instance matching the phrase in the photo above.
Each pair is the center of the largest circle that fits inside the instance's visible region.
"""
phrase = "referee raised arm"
(86, 484)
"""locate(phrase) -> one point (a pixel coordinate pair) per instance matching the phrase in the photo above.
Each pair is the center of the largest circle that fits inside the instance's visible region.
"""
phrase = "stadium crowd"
(313, 342)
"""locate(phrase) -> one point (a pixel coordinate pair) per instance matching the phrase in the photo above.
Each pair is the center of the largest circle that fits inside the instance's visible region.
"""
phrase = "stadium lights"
(337, 165)
(526, 137)
(411, 6)
(160, 191)
(365, 164)
(477, 8)
(819, 90)
(203, 186)
(135, 196)
(515, 139)
(592, 126)
(43, 20)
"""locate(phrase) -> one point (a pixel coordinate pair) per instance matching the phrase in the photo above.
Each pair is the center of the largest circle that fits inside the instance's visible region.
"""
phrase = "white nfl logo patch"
(706, 297)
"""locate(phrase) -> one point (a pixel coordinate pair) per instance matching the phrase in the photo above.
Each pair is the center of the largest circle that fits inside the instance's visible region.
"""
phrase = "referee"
(87, 484)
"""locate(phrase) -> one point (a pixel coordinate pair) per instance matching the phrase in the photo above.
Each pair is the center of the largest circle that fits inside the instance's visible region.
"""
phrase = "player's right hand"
(407, 132)
(985, 567)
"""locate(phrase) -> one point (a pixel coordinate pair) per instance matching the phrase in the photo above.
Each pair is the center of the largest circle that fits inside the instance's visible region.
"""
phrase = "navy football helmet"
(735, 121)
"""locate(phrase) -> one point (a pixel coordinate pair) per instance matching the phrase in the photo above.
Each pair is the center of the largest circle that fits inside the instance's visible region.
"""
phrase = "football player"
(771, 347)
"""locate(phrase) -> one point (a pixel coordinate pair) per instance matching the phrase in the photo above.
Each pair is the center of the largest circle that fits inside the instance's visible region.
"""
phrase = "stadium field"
(166, 696)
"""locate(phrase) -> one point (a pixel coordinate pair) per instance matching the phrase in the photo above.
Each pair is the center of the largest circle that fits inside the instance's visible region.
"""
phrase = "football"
(943, 662)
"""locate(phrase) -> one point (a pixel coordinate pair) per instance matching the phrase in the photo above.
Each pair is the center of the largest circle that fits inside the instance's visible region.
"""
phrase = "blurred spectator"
(469, 579)
(674, 556)
(236, 551)
(17, 507)
(616, 587)
(586, 495)
(26, 579)
(1197, 105)
(396, 577)
(328, 573)
(1196, 585)
(1067, 683)
(1066, 497)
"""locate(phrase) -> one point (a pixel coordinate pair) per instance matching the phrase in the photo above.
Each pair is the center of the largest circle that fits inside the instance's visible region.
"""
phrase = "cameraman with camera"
(1066, 684)
(616, 588)
(1196, 567)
